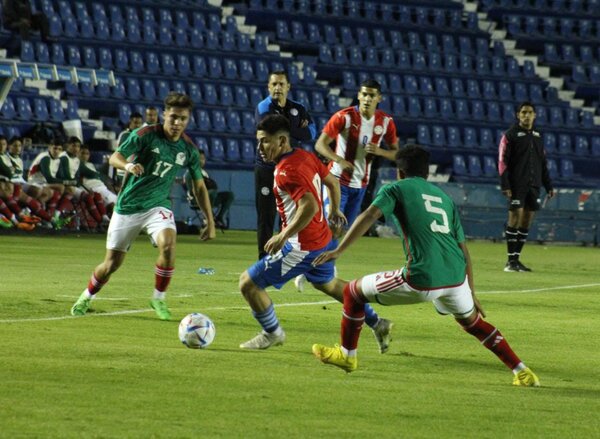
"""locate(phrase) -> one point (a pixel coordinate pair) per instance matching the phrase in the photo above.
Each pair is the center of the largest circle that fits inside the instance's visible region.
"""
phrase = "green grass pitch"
(119, 372)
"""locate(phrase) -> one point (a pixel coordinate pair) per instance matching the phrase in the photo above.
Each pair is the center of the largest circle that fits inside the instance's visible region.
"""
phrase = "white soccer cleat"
(299, 282)
(383, 334)
(264, 340)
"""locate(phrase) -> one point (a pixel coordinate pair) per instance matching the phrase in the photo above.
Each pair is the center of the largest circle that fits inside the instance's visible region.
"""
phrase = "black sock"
(511, 243)
(521, 240)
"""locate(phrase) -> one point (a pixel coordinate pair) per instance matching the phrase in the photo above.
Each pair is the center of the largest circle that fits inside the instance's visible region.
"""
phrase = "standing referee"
(302, 129)
(523, 171)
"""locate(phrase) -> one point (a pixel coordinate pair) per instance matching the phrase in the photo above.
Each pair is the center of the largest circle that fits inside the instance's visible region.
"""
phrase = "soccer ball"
(196, 331)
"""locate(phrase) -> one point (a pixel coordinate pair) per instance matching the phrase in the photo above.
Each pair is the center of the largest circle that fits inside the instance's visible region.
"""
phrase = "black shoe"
(522, 267)
(511, 266)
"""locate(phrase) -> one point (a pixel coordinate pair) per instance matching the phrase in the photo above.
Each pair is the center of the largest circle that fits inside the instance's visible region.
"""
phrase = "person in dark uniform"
(523, 171)
(303, 129)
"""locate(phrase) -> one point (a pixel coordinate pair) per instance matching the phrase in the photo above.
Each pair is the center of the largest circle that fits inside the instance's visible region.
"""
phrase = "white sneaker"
(299, 282)
(383, 334)
(264, 340)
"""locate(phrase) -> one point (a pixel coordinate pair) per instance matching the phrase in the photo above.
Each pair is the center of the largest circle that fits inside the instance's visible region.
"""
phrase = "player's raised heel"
(82, 305)
(162, 311)
(264, 340)
(526, 378)
(335, 357)
(383, 334)
(299, 283)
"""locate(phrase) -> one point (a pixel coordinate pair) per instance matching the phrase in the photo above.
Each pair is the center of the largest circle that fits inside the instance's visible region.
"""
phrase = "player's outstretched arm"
(322, 147)
(203, 201)
(118, 161)
(363, 223)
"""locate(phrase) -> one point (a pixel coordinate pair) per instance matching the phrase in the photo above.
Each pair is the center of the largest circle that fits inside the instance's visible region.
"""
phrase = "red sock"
(36, 208)
(53, 202)
(66, 205)
(4, 210)
(12, 204)
(95, 284)
(99, 201)
(353, 316)
(162, 277)
(492, 339)
(88, 201)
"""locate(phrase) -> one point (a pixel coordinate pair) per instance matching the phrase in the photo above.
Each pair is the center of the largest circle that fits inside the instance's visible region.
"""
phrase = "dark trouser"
(265, 206)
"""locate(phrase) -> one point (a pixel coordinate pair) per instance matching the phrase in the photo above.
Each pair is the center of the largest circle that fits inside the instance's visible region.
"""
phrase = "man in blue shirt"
(303, 129)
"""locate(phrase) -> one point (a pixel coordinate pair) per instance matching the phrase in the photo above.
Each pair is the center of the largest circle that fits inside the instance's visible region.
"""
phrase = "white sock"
(160, 295)
(521, 366)
(88, 294)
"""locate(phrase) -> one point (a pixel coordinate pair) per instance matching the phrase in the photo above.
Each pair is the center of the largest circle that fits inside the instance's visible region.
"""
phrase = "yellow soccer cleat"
(526, 378)
(335, 357)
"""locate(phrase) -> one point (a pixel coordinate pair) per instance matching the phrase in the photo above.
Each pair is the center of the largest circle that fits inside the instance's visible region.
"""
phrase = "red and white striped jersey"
(297, 173)
(352, 132)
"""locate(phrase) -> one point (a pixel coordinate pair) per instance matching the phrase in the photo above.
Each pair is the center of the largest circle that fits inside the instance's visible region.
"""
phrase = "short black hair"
(74, 139)
(3, 137)
(280, 72)
(201, 151)
(413, 160)
(371, 83)
(135, 115)
(525, 104)
(273, 124)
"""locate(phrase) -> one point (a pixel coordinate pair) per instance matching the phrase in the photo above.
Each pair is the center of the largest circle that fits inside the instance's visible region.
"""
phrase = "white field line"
(280, 305)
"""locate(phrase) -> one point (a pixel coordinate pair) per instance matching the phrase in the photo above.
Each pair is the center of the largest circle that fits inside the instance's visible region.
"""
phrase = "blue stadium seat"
(508, 113)
(234, 123)
(339, 54)
(414, 107)
(411, 85)
(473, 91)
(454, 140)
(459, 167)
(197, 39)
(426, 86)
(183, 66)
(165, 18)
(423, 136)
(505, 91)
(582, 146)
(178, 86)
(57, 54)
(466, 65)
(219, 123)
(317, 102)
(203, 121)
(165, 36)
(217, 150)
(132, 86)
(419, 61)
(404, 61)
(215, 69)
(541, 115)
(458, 90)
(89, 57)
(438, 136)
(446, 109)
(521, 94)
(136, 62)
(302, 97)
(552, 168)
(564, 144)
(462, 109)
(124, 111)
(256, 95)
(260, 43)
(571, 117)
(346, 37)
(551, 54)
(474, 165)
(441, 87)
(587, 119)
(282, 31)
(240, 94)
(396, 40)
(228, 42)
(167, 64)
(162, 89)
(314, 33)
(566, 169)
(247, 152)
(248, 125)
(536, 93)
(477, 110)
(149, 34)
(261, 71)
(210, 94)
(133, 33)
(148, 90)
(42, 54)
(488, 90)
(225, 95)
(202, 144)
(27, 51)
(596, 146)
(493, 111)
(56, 111)
(498, 66)
(199, 66)
(486, 138)
(470, 138)
(232, 153)
(430, 108)
(23, 107)
(489, 166)
(512, 68)
(194, 92)
(40, 110)
(556, 116)
(482, 66)
(333, 103)
(529, 70)
(398, 106)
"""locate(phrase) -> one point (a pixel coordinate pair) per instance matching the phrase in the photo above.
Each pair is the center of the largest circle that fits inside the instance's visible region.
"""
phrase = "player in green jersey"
(152, 157)
(438, 267)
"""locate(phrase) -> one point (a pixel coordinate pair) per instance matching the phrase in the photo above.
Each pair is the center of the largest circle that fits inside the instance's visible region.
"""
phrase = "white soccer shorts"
(123, 229)
(390, 288)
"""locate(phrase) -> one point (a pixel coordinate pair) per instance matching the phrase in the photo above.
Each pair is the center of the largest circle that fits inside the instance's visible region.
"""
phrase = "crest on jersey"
(156, 150)
(180, 159)
(378, 130)
(294, 112)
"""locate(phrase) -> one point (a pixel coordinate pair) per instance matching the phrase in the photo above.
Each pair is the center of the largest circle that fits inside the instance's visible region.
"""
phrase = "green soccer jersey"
(429, 221)
(162, 160)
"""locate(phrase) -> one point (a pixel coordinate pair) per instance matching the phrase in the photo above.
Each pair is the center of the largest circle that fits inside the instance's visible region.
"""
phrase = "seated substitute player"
(305, 234)
(161, 152)
(438, 267)
(94, 181)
